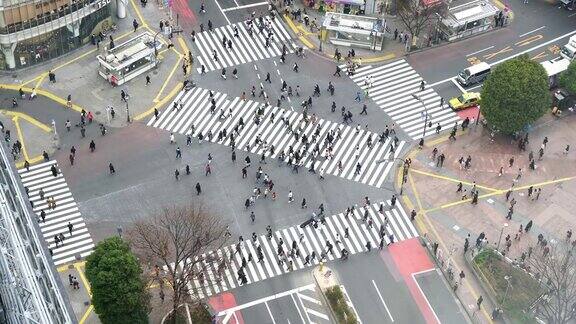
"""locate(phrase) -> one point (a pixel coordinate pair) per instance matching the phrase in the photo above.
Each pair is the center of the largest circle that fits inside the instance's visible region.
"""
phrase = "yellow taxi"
(466, 100)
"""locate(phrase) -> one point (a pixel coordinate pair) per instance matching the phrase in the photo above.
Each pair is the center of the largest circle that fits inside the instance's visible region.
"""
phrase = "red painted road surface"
(410, 257)
(471, 112)
(224, 301)
(186, 17)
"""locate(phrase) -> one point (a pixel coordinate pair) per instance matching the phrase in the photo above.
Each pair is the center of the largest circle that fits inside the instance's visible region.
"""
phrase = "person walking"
(252, 217)
(208, 169)
(111, 167)
(290, 197)
(198, 189)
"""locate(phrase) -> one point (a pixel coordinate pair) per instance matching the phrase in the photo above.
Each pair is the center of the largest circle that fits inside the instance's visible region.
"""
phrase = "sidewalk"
(79, 298)
(448, 219)
(76, 73)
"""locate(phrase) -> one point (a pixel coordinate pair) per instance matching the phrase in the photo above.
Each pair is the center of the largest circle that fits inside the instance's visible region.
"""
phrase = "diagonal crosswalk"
(309, 240)
(392, 85)
(42, 185)
(247, 44)
(341, 157)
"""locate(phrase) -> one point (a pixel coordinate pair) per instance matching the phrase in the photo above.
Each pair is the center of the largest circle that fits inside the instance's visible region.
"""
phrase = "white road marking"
(532, 31)
(382, 300)
(514, 55)
(422, 292)
(458, 85)
(480, 51)
(270, 312)
(222, 11)
(264, 299)
(298, 309)
(245, 6)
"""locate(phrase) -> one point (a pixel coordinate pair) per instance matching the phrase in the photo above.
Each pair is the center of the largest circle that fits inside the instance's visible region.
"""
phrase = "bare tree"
(416, 17)
(557, 269)
(182, 241)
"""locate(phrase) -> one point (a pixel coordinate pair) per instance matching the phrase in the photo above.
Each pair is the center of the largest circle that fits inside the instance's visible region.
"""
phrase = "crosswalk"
(392, 87)
(245, 47)
(355, 146)
(309, 239)
(42, 186)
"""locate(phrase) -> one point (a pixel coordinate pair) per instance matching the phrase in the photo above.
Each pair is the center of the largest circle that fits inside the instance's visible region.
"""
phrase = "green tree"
(515, 94)
(119, 293)
(568, 78)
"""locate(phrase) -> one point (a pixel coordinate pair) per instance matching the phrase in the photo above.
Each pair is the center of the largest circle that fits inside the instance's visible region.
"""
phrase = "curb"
(324, 299)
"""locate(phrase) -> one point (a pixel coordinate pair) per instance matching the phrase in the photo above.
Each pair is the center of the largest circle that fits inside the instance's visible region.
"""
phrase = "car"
(466, 100)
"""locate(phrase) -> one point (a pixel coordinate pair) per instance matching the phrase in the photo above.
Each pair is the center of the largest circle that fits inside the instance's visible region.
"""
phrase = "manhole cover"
(97, 112)
(155, 72)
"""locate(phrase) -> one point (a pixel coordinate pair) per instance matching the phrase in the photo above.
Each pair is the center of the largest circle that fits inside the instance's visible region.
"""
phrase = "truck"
(569, 50)
(554, 68)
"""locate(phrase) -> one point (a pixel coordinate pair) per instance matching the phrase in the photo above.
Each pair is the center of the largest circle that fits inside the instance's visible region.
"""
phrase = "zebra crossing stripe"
(314, 240)
(392, 87)
(244, 49)
(376, 160)
(79, 244)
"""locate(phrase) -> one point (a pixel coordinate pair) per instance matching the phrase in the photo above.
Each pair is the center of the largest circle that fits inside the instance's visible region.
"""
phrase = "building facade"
(33, 31)
(30, 288)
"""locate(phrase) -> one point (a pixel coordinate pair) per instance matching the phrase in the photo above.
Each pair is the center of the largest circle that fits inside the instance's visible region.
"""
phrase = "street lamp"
(425, 111)
(501, 232)
(127, 112)
(404, 170)
(154, 44)
(507, 278)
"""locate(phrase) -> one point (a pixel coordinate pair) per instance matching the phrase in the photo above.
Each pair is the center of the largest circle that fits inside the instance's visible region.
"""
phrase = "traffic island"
(335, 296)
(510, 287)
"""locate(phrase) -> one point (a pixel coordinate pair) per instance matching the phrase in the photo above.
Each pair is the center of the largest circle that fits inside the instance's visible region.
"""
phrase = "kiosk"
(354, 31)
(128, 60)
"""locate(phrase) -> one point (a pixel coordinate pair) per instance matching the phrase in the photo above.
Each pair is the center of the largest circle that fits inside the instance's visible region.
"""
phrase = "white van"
(474, 74)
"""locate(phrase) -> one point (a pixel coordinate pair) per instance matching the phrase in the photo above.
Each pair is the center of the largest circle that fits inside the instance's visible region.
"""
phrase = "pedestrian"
(70, 227)
(111, 167)
(178, 153)
(135, 24)
(290, 197)
(479, 301)
(511, 162)
(567, 149)
(177, 174)
(198, 189)
(147, 79)
(208, 169)
(252, 217)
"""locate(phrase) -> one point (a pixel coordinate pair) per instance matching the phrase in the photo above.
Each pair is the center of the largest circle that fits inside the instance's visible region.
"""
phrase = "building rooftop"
(129, 51)
(351, 23)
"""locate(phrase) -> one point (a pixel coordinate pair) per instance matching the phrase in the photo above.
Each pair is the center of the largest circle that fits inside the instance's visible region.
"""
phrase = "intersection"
(312, 152)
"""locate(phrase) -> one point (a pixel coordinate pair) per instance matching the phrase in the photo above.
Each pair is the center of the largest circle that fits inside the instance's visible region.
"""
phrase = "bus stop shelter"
(128, 60)
(354, 31)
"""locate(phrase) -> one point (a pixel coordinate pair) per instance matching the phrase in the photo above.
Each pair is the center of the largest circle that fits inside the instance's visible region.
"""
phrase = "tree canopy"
(568, 78)
(119, 293)
(515, 94)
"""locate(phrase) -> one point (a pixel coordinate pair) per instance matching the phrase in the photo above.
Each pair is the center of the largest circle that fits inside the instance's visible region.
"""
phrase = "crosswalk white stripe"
(237, 46)
(314, 241)
(245, 48)
(392, 88)
(257, 265)
(267, 250)
(79, 242)
(215, 45)
(206, 52)
(195, 112)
